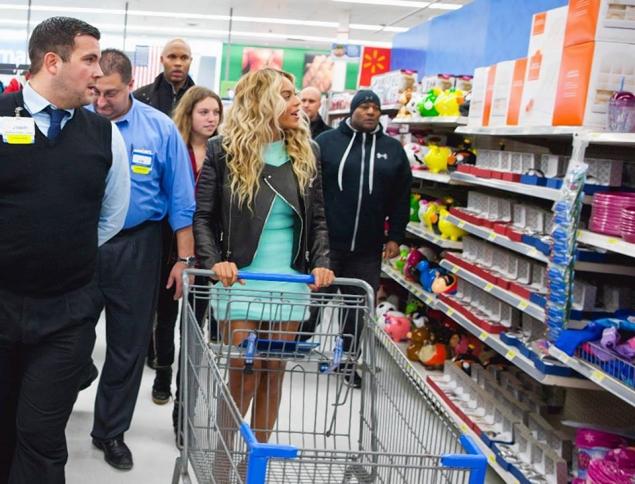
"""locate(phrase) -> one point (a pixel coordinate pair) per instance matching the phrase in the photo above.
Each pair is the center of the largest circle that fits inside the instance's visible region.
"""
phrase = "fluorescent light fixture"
(212, 33)
(197, 16)
(406, 4)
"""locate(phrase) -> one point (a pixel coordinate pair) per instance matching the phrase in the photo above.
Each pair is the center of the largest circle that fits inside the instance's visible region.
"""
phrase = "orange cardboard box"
(477, 102)
(507, 94)
(600, 21)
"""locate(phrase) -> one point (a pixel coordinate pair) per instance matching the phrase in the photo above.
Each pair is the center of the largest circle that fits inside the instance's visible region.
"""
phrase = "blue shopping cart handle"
(262, 276)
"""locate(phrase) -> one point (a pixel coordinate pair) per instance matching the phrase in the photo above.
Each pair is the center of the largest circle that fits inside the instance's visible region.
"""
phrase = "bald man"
(169, 86)
(311, 99)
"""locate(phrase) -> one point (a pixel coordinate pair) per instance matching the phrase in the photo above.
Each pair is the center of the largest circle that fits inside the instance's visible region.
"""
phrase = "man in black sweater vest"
(62, 167)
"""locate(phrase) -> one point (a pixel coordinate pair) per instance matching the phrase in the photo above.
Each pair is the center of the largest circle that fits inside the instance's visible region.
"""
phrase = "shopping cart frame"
(260, 454)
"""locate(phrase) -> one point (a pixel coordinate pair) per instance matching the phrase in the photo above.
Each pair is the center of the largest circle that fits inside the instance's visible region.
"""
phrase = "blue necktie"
(55, 128)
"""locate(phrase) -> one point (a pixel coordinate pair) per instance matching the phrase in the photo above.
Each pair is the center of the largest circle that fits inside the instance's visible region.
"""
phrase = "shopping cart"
(326, 431)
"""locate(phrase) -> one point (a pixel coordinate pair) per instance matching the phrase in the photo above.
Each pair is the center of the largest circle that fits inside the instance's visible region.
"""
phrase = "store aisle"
(150, 439)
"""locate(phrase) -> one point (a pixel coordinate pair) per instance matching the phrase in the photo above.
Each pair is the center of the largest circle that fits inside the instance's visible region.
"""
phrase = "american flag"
(146, 62)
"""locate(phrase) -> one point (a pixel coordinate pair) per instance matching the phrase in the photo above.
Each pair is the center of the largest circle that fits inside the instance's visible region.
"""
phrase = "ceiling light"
(406, 3)
(197, 16)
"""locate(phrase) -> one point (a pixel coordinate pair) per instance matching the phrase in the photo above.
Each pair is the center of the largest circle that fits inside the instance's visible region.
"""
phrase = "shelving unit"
(509, 297)
(498, 239)
(433, 177)
(521, 131)
(437, 122)
(530, 190)
(612, 244)
(427, 297)
(420, 231)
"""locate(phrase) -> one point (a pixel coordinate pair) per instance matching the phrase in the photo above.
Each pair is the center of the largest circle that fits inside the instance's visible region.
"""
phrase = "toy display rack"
(419, 230)
(435, 121)
(493, 341)
(580, 139)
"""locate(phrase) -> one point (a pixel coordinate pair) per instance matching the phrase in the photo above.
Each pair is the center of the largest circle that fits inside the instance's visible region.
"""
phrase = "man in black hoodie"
(366, 178)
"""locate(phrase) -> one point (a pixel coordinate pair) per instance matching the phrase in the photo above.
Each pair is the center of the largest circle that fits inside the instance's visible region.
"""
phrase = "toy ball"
(437, 158)
(426, 105)
(397, 327)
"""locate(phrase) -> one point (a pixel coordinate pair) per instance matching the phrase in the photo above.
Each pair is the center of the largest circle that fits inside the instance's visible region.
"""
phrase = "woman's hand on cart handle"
(323, 278)
(227, 273)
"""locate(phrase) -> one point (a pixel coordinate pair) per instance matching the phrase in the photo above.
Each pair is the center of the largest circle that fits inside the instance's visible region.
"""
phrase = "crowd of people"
(110, 193)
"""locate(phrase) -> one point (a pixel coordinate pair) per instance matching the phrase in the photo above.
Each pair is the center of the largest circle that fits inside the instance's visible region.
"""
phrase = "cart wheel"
(180, 474)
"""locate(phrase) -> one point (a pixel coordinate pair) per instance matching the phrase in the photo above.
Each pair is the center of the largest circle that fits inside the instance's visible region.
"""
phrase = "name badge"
(17, 130)
(142, 162)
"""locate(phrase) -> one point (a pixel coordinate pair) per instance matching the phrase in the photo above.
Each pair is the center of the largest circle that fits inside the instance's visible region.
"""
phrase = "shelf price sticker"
(463, 427)
(461, 224)
(511, 354)
(491, 236)
(488, 287)
(597, 376)
(428, 300)
(454, 269)
(533, 252)
(450, 312)
(491, 458)
(483, 336)
(612, 240)
(522, 305)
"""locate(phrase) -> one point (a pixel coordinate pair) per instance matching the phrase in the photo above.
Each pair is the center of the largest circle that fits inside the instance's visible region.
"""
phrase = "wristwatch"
(190, 260)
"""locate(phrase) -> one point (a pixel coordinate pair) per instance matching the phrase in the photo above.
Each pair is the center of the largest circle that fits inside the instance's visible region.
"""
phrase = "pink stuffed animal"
(397, 327)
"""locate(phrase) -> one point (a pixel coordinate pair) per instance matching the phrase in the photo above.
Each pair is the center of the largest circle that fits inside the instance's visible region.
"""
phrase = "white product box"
(589, 74)
(477, 103)
(508, 91)
(600, 20)
(543, 67)
(604, 172)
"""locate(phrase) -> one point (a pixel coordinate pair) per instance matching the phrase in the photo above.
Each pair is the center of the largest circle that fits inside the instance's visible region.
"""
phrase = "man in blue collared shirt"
(65, 188)
(129, 265)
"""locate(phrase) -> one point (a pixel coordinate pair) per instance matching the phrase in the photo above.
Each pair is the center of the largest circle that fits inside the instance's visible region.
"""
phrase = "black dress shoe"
(161, 387)
(90, 375)
(116, 453)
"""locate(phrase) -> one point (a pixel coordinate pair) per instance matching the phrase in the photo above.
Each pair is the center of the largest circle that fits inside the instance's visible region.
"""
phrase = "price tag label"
(488, 287)
(522, 305)
(612, 240)
(463, 427)
(533, 253)
(428, 301)
(597, 376)
(511, 354)
(565, 359)
(483, 336)
(451, 312)
(491, 458)
(454, 269)
(491, 236)
(461, 224)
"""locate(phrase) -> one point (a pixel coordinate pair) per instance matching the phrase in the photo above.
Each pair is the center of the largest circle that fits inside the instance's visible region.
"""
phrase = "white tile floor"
(150, 438)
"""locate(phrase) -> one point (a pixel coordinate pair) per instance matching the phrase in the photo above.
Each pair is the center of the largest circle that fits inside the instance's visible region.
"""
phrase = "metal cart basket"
(318, 427)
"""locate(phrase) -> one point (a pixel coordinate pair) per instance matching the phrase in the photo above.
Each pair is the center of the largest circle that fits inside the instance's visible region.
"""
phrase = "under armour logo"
(382, 155)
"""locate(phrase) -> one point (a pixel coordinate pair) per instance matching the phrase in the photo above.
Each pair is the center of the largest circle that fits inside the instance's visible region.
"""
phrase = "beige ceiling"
(191, 18)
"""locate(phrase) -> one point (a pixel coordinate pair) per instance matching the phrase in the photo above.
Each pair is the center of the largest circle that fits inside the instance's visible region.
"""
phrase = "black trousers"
(128, 277)
(45, 345)
(162, 344)
(365, 266)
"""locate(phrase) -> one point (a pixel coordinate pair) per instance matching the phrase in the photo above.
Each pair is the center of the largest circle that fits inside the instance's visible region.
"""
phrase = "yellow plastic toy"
(448, 229)
(429, 214)
(448, 102)
(437, 158)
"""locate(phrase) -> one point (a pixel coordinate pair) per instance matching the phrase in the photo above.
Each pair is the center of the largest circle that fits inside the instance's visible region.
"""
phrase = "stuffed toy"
(397, 326)
(414, 207)
(448, 229)
(437, 158)
(426, 105)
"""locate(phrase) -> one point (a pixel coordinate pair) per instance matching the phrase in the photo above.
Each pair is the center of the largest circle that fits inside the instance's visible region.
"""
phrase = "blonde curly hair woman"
(260, 209)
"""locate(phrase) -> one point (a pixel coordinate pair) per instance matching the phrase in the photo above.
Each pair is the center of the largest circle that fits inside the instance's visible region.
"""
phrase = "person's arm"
(400, 207)
(114, 206)
(178, 183)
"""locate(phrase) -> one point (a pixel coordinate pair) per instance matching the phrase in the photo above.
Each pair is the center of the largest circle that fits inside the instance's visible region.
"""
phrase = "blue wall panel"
(481, 33)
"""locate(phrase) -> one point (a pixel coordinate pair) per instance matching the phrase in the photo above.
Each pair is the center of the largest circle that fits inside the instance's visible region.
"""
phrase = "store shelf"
(388, 108)
(600, 378)
(416, 289)
(510, 353)
(509, 297)
(612, 244)
(428, 175)
(420, 231)
(539, 131)
(613, 139)
(531, 190)
(419, 374)
(491, 236)
(438, 121)
(339, 112)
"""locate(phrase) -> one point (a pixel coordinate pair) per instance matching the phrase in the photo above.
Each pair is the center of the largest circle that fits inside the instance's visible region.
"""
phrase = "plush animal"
(414, 207)
(383, 308)
(418, 337)
(409, 270)
(433, 355)
(413, 104)
(404, 99)
(415, 153)
(448, 229)
(419, 320)
(448, 102)
(429, 213)
(444, 284)
(426, 275)
(400, 261)
(397, 327)
(435, 279)
(462, 156)
(426, 105)
(437, 158)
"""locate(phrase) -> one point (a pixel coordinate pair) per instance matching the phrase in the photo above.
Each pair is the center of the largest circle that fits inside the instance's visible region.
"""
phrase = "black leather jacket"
(225, 231)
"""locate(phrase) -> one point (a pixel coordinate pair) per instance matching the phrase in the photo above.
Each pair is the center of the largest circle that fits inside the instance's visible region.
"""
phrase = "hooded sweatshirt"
(366, 177)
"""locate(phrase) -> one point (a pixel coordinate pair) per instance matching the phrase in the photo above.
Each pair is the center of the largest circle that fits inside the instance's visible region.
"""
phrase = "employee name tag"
(17, 131)
(142, 161)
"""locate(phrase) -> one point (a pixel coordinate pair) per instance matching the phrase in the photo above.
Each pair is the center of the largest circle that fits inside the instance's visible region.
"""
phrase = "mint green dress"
(264, 300)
